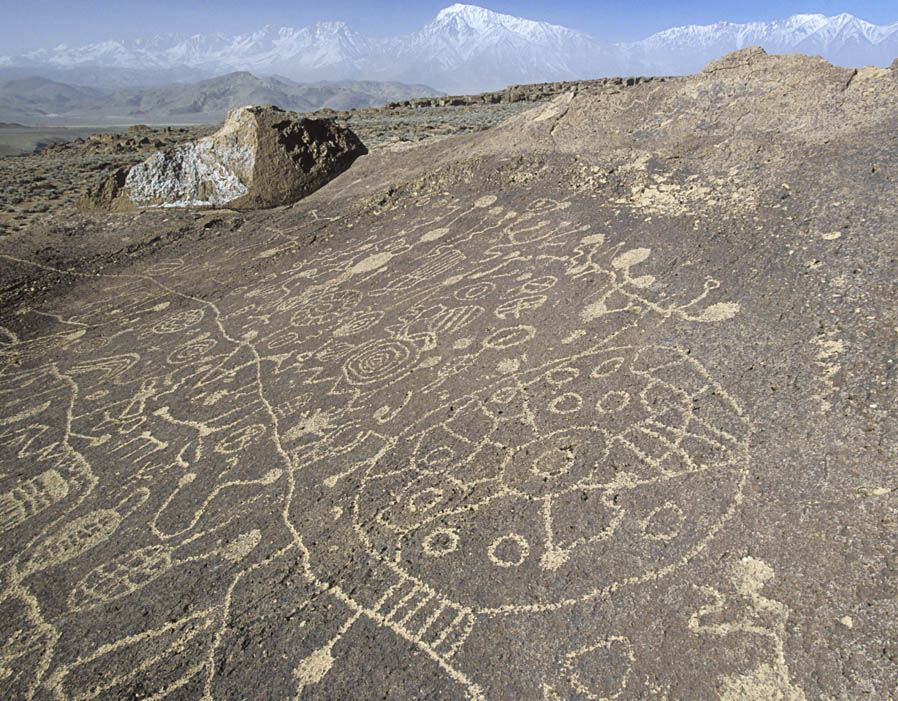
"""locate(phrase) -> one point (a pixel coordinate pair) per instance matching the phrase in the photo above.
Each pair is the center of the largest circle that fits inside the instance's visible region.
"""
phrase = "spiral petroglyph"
(378, 361)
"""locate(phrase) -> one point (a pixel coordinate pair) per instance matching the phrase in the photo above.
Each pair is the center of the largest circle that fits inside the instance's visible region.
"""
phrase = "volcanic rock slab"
(599, 403)
(261, 157)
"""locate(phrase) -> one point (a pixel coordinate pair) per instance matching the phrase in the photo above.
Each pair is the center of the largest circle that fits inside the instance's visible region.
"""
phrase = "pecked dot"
(507, 366)
(632, 257)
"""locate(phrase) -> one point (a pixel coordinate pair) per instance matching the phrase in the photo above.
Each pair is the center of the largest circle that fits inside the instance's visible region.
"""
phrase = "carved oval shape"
(122, 576)
(73, 539)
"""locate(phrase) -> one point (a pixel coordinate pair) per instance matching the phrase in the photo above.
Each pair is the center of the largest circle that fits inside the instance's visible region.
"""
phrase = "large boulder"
(261, 157)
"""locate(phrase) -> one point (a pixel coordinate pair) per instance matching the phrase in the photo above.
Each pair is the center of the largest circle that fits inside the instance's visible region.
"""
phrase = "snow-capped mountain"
(842, 39)
(465, 48)
(325, 45)
(469, 49)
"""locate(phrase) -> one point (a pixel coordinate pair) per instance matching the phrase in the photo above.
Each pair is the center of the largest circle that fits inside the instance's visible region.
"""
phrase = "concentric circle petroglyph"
(474, 291)
(440, 542)
(378, 361)
(192, 351)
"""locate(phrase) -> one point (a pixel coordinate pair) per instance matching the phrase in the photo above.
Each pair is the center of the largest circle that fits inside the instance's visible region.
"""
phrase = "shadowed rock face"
(261, 157)
(598, 403)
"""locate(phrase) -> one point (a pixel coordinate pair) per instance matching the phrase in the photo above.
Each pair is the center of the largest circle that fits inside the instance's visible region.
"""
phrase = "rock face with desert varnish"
(598, 403)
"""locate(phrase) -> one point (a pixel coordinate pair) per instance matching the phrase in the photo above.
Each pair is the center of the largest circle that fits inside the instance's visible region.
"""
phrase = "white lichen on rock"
(213, 171)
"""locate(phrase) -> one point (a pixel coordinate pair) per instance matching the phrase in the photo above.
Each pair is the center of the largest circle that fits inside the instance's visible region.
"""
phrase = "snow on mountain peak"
(333, 27)
(468, 48)
(484, 21)
(468, 13)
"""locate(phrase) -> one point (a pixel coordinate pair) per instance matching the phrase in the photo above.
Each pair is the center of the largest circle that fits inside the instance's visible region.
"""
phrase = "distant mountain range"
(465, 48)
(40, 100)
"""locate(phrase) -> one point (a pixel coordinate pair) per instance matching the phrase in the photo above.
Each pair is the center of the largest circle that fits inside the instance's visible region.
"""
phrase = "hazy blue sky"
(26, 24)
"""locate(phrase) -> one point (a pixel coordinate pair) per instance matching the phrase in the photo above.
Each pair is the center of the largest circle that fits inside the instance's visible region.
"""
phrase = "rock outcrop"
(261, 157)
(535, 92)
(451, 425)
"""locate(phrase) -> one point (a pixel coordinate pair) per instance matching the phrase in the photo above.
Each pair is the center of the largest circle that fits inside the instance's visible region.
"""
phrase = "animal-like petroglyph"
(761, 616)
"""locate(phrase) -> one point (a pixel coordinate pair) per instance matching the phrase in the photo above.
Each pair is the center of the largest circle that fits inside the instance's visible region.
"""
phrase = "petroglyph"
(620, 470)
(31, 497)
(492, 416)
(597, 671)
(327, 395)
(759, 616)
(829, 351)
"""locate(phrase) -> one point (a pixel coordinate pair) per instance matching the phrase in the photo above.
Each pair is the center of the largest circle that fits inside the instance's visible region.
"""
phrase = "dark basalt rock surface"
(598, 403)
